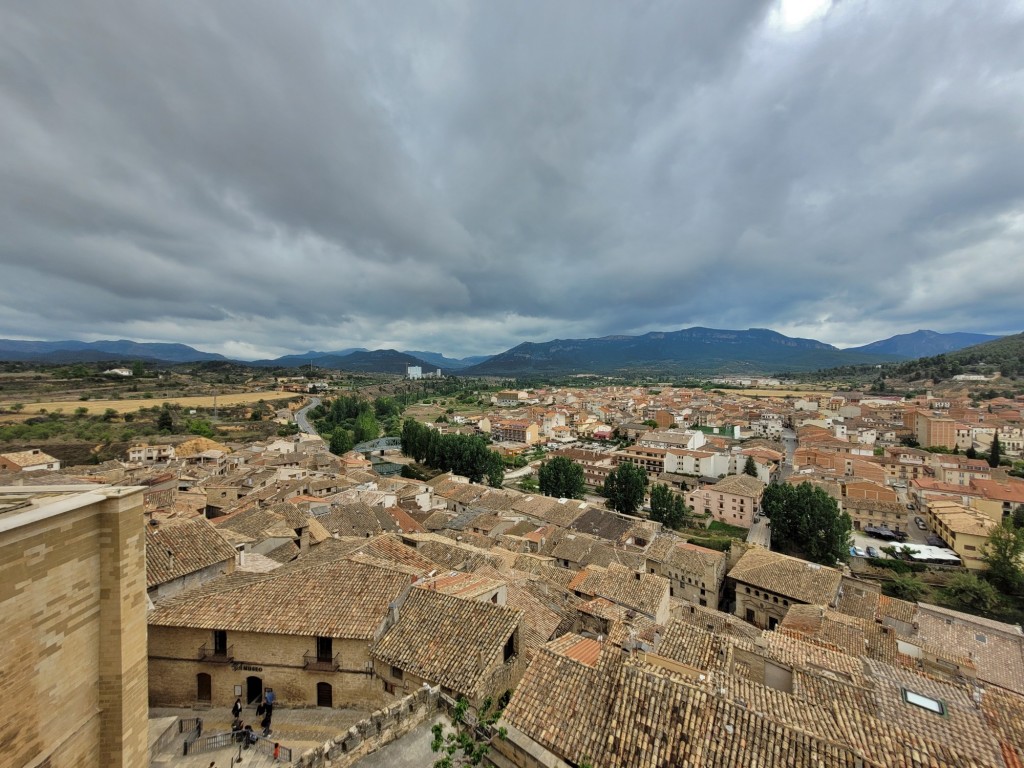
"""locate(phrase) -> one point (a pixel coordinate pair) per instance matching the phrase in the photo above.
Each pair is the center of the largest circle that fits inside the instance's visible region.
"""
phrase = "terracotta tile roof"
(712, 620)
(624, 713)
(797, 579)
(539, 620)
(284, 553)
(996, 649)
(179, 549)
(469, 586)
(580, 649)
(740, 485)
(335, 599)
(643, 592)
(858, 598)
(690, 645)
(447, 640)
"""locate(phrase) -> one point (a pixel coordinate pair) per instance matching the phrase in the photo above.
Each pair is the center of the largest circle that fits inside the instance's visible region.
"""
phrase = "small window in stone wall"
(396, 673)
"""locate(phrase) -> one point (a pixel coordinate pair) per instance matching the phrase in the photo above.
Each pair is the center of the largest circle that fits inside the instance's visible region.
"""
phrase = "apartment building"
(735, 500)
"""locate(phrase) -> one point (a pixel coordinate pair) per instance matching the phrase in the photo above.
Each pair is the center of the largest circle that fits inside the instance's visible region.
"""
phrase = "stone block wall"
(73, 601)
(277, 660)
(368, 735)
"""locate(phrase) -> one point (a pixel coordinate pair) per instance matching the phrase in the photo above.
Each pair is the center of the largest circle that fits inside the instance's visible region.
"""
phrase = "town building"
(32, 460)
(302, 630)
(767, 583)
(735, 500)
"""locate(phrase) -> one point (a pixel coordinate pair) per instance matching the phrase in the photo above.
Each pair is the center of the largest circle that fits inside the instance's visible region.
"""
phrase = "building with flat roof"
(73, 597)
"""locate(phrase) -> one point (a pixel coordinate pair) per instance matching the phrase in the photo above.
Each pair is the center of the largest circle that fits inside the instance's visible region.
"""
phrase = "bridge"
(380, 465)
(381, 444)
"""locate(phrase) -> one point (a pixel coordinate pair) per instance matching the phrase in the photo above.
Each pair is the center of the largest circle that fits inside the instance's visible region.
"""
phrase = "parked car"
(872, 552)
(920, 523)
(857, 552)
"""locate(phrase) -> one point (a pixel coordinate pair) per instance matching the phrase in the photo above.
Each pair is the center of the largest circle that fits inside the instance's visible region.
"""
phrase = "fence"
(263, 744)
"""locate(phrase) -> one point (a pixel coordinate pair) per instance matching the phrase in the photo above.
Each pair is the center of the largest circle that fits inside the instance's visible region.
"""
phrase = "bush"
(722, 545)
(899, 566)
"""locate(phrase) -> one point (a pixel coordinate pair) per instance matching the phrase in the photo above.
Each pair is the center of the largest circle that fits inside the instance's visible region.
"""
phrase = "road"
(302, 421)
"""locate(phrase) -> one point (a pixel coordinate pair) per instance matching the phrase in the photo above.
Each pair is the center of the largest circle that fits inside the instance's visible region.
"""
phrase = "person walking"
(236, 710)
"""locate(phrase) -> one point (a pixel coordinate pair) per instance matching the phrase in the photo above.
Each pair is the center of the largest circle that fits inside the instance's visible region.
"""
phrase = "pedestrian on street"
(236, 710)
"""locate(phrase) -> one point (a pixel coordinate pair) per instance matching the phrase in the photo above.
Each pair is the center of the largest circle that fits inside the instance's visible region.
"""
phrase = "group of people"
(245, 733)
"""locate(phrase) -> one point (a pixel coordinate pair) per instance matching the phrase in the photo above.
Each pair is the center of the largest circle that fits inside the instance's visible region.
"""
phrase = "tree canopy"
(625, 487)
(562, 478)
(806, 520)
(1002, 554)
(750, 468)
(465, 455)
(995, 452)
(668, 508)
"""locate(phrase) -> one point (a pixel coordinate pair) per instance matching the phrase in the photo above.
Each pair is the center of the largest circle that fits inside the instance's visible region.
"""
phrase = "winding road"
(302, 421)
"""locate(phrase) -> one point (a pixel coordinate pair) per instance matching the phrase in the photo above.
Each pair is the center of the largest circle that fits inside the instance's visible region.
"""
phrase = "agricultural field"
(127, 405)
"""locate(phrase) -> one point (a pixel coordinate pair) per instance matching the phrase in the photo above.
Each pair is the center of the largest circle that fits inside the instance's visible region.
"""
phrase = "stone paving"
(298, 729)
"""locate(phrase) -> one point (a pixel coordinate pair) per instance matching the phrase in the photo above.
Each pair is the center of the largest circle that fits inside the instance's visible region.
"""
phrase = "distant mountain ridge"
(696, 350)
(690, 350)
(72, 351)
(908, 346)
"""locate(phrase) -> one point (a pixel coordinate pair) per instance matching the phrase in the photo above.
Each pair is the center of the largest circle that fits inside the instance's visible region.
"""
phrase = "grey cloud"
(458, 176)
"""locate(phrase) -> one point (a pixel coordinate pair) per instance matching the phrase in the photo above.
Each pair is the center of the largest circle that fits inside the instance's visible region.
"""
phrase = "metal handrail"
(212, 654)
(320, 663)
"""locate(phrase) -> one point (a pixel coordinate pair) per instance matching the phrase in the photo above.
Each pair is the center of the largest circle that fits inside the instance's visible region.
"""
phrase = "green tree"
(970, 453)
(164, 422)
(366, 427)
(1018, 517)
(668, 508)
(200, 427)
(1003, 553)
(625, 487)
(965, 591)
(750, 468)
(138, 369)
(805, 519)
(464, 741)
(995, 452)
(341, 441)
(909, 588)
(562, 478)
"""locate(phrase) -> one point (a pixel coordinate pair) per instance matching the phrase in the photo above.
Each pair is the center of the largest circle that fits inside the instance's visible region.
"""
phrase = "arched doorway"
(203, 687)
(253, 690)
(324, 695)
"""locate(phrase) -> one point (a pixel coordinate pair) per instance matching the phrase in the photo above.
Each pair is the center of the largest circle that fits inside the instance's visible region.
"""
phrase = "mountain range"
(688, 351)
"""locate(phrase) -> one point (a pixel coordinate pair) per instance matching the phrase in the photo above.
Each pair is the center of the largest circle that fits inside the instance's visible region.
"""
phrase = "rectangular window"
(396, 673)
(924, 702)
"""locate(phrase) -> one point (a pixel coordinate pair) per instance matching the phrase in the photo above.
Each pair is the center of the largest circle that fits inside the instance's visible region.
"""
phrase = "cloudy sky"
(261, 177)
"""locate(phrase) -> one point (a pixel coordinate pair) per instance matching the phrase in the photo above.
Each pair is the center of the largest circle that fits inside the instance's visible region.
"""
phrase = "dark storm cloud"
(257, 178)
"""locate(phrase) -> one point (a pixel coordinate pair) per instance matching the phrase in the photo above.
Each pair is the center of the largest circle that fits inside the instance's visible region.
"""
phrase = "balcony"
(216, 655)
(320, 663)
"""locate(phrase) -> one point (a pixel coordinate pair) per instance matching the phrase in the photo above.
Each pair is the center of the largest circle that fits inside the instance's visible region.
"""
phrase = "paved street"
(300, 416)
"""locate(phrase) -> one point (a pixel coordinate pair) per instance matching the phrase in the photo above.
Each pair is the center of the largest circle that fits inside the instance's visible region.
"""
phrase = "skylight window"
(924, 702)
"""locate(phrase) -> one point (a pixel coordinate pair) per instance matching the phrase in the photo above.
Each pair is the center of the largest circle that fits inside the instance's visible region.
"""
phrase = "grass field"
(125, 406)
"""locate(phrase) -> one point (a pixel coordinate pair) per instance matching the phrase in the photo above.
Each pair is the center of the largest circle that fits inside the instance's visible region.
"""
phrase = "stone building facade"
(73, 671)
